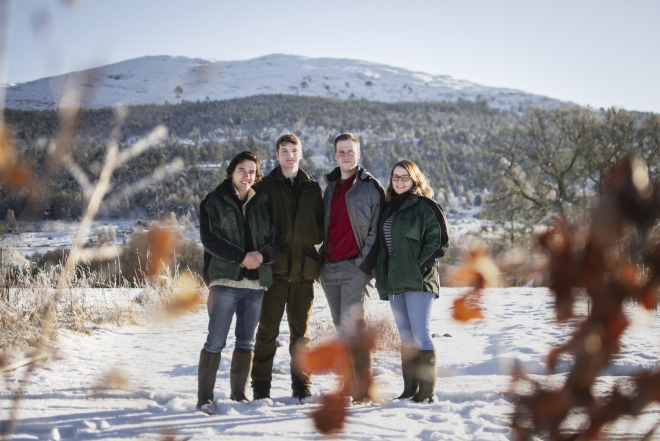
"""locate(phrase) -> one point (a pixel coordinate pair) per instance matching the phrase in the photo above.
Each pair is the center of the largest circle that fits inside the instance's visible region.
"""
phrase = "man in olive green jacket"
(295, 206)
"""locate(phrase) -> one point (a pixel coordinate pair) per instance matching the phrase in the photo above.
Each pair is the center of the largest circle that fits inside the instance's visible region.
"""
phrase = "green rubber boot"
(426, 375)
(206, 372)
(409, 372)
(241, 365)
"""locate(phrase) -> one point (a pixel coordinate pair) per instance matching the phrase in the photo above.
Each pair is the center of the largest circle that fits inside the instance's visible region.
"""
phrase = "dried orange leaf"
(464, 311)
(161, 242)
(649, 297)
(477, 269)
(12, 170)
(18, 176)
(332, 414)
(184, 302)
(114, 379)
(323, 358)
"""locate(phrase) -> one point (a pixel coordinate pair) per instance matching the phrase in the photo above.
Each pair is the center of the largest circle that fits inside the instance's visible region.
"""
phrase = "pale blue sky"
(599, 53)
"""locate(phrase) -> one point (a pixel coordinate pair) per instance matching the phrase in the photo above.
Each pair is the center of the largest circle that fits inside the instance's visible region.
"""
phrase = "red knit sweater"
(341, 240)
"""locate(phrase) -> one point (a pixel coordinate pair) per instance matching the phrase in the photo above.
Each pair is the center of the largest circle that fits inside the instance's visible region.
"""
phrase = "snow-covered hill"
(160, 79)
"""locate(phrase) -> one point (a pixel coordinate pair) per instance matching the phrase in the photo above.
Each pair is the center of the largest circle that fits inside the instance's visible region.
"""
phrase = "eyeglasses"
(400, 178)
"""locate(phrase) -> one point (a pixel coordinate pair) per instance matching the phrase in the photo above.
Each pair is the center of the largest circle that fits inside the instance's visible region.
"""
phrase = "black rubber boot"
(241, 365)
(301, 394)
(206, 372)
(300, 385)
(409, 372)
(426, 375)
(260, 390)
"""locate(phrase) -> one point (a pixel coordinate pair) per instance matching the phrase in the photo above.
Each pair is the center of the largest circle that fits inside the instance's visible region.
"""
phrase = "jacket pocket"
(364, 218)
(263, 226)
(311, 265)
(281, 264)
(414, 234)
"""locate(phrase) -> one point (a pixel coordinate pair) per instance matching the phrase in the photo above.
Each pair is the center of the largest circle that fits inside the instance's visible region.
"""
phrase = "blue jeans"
(222, 303)
(412, 314)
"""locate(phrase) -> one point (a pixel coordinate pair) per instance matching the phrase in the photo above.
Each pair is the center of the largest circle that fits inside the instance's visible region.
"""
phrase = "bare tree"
(621, 133)
(542, 161)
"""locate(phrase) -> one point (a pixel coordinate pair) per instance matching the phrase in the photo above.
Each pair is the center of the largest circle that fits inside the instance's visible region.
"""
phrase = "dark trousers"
(297, 298)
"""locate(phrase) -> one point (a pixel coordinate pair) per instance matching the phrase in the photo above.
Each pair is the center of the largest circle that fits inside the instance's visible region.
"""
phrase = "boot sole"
(208, 409)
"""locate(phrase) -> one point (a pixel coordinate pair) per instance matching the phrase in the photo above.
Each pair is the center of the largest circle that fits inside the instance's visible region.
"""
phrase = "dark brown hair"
(347, 137)
(420, 186)
(287, 138)
(245, 156)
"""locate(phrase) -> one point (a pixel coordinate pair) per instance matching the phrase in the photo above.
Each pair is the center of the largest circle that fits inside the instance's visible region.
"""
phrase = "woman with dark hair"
(240, 243)
(413, 237)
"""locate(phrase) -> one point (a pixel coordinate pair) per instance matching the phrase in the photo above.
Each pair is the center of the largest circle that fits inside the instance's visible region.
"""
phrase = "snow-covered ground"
(160, 79)
(41, 237)
(159, 361)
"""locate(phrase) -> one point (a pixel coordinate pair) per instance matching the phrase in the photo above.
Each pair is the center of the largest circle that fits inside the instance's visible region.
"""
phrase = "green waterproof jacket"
(419, 240)
(300, 226)
(221, 224)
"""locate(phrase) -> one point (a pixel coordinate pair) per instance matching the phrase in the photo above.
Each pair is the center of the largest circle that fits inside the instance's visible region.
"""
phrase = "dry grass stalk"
(115, 379)
(379, 317)
(30, 309)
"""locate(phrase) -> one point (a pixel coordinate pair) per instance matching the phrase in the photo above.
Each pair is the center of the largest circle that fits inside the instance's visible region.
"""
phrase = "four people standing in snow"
(242, 228)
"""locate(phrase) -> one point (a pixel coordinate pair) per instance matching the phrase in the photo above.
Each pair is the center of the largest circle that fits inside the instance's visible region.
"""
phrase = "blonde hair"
(420, 186)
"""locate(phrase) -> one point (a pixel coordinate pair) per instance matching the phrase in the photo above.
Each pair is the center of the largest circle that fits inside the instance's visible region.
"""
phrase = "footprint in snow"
(438, 418)
(415, 416)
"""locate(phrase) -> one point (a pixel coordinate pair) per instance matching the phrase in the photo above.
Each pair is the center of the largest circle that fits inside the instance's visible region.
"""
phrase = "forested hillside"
(528, 169)
(446, 139)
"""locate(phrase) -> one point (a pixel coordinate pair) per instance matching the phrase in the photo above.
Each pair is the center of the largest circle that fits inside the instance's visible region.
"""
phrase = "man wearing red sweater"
(352, 203)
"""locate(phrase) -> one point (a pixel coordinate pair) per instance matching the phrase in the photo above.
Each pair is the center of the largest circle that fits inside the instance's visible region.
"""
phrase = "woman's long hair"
(420, 186)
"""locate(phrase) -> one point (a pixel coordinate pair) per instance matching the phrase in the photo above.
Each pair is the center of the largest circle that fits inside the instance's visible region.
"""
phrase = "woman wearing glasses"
(413, 238)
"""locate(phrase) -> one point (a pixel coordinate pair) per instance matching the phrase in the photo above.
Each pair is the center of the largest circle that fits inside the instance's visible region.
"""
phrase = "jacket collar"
(410, 200)
(303, 177)
(225, 190)
(362, 173)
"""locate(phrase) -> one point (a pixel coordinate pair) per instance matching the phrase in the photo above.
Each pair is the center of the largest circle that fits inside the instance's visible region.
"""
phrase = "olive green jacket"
(419, 240)
(300, 226)
(221, 224)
